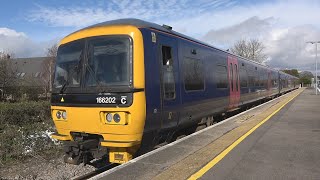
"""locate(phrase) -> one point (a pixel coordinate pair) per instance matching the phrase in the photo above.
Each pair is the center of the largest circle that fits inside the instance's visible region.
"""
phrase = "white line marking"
(177, 141)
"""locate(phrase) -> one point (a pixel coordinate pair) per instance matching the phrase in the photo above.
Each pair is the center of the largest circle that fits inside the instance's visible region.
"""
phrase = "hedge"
(24, 132)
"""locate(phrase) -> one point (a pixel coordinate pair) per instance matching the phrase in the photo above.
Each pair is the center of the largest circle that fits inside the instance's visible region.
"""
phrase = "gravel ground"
(42, 169)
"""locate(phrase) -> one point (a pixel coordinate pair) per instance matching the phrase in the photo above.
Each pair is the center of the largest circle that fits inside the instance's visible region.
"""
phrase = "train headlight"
(109, 117)
(58, 114)
(64, 114)
(116, 118)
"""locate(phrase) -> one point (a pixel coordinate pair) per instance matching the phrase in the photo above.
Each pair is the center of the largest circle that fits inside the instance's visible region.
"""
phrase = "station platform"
(277, 140)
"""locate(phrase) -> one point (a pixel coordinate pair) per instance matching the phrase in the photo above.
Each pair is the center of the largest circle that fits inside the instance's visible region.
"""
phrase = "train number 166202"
(106, 100)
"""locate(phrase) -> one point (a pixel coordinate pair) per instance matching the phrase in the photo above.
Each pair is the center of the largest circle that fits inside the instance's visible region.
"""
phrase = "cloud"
(282, 25)
(250, 28)
(10, 32)
(288, 47)
(20, 44)
(80, 16)
(285, 47)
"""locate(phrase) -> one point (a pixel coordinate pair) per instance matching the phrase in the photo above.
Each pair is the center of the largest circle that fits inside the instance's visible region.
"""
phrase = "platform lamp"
(316, 43)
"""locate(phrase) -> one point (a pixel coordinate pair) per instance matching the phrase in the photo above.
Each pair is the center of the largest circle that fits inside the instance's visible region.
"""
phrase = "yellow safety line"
(214, 161)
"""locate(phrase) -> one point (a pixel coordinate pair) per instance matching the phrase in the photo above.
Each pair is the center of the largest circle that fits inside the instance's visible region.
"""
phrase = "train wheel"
(181, 136)
(210, 121)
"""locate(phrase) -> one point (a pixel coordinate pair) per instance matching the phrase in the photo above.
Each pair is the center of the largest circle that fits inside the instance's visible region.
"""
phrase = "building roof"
(28, 67)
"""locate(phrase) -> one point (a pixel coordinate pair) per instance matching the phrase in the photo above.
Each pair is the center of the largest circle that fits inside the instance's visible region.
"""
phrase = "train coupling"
(80, 152)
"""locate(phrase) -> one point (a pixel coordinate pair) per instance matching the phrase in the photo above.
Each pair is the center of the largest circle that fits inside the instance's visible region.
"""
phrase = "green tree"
(305, 77)
(293, 72)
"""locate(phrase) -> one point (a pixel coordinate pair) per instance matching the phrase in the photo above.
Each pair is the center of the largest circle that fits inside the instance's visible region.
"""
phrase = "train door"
(234, 86)
(169, 78)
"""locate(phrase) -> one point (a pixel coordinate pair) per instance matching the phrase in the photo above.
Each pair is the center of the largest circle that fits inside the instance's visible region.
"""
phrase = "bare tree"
(5, 55)
(252, 49)
(8, 73)
(48, 67)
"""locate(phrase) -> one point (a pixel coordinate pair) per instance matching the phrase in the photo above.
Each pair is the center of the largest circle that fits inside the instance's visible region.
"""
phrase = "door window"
(168, 73)
(231, 76)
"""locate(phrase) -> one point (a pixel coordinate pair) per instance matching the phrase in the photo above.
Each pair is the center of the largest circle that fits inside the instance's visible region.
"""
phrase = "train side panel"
(201, 83)
(198, 80)
(198, 99)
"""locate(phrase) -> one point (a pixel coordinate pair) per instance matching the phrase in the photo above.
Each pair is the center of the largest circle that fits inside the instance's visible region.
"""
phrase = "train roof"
(133, 22)
(144, 24)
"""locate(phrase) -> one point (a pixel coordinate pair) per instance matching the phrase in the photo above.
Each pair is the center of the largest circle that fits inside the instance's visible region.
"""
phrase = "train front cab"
(85, 128)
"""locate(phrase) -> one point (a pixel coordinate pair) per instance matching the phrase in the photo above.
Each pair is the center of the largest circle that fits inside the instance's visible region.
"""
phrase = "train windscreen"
(94, 62)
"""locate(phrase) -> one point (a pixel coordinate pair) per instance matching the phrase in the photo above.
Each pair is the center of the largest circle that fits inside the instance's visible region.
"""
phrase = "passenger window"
(243, 78)
(256, 79)
(168, 73)
(251, 78)
(262, 78)
(193, 74)
(221, 75)
(274, 81)
(266, 79)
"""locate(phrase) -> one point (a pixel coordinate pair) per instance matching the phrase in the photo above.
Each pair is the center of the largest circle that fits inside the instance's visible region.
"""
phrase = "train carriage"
(122, 87)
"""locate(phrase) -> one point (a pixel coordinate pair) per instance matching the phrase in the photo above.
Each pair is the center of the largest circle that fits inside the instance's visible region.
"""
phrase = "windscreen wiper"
(63, 87)
(92, 74)
(99, 86)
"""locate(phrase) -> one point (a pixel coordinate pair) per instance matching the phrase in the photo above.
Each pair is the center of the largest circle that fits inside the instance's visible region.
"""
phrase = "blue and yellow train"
(123, 86)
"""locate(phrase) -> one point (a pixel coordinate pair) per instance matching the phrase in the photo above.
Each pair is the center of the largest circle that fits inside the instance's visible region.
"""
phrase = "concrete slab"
(137, 170)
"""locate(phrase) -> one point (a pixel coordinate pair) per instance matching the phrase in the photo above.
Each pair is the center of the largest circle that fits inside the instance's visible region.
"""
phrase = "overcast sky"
(27, 28)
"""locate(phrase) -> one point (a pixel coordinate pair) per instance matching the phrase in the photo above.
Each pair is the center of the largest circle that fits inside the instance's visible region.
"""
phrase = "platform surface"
(286, 146)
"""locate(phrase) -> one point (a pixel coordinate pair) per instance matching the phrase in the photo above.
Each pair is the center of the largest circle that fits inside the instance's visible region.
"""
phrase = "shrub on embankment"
(25, 129)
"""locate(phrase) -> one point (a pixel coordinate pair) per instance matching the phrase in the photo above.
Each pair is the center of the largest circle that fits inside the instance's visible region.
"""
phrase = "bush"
(23, 93)
(24, 113)
(25, 129)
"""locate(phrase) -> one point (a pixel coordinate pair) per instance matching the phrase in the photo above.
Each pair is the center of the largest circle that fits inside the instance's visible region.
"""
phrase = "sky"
(28, 28)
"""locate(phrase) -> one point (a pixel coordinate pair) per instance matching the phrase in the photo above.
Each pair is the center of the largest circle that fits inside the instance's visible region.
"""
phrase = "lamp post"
(316, 43)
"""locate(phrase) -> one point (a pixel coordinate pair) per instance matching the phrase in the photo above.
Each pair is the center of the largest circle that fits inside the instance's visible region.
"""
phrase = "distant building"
(30, 71)
(25, 78)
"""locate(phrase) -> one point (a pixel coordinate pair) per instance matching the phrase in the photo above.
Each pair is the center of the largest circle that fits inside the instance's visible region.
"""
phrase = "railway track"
(95, 172)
